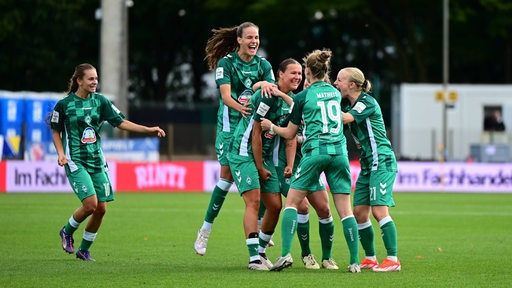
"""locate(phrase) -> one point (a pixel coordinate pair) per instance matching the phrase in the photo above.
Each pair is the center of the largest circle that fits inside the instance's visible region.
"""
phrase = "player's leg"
(219, 195)
(366, 236)
(320, 202)
(303, 234)
(221, 189)
(261, 213)
(383, 182)
(247, 181)
(271, 198)
(288, 227)
(104, 194)
(338, 177)
(364, 225)
(389, 237)
(289, 221)
(252, 202)
(271, 185)
(301, 183)
(83, 189)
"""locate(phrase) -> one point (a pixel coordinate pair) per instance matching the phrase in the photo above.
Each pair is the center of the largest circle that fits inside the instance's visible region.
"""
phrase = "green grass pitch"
(146, 240)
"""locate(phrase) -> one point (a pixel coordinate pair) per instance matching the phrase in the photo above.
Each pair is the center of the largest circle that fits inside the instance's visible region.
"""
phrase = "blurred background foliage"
(391, 41)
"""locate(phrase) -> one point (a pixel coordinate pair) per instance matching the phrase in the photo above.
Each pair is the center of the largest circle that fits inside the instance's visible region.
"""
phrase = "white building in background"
(417, 122)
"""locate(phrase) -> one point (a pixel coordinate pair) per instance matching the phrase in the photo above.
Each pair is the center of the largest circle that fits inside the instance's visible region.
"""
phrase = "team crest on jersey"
(219, 73)
(55, 117)
(89, 136)
(248, 82)
(245, 96)
(88, 119)
(359, 107)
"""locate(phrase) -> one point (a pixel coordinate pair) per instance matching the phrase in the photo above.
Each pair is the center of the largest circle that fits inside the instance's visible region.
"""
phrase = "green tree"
(42, 41)
(392, 41)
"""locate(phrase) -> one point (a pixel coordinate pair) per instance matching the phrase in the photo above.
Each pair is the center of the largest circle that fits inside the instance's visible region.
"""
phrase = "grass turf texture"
(146, 240)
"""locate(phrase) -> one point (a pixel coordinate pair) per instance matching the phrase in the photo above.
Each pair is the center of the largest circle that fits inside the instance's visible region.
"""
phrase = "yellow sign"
(14, 143)
(453, 96)
(439, 96)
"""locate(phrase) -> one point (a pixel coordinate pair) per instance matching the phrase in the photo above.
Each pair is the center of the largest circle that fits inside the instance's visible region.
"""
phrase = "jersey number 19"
(331, 112)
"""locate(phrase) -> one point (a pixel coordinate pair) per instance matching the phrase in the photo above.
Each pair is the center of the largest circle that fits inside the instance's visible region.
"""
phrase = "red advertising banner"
(2, 177)
(202, 176)
(175, 176)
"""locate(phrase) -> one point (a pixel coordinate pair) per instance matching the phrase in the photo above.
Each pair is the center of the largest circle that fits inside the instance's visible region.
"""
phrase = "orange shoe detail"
(388, 266)
(368, 263)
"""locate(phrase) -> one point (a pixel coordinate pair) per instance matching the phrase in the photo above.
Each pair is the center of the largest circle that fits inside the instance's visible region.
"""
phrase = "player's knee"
(100, 210)
(323, 211)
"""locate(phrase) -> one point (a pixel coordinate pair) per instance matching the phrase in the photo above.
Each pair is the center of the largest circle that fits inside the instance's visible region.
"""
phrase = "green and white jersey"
(280, 143)
(319, 107)
(80, 120)
(273, 109)
(369, 133)
(280, 146)
(241, 76)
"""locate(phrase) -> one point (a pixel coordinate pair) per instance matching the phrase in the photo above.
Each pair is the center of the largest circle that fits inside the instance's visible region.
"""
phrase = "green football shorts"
(85, 184)
(222, 144)
(375, 189)
(335, 167)
(246, 175)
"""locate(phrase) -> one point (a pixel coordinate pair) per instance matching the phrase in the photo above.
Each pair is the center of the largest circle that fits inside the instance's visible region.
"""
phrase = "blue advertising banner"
(138, 149)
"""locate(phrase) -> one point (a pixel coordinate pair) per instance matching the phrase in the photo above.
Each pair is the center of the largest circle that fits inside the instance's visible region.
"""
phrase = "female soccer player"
(324, 150)
(319, 200)
(231, 52)
(76, 123)
(252, 164)
(374, 186)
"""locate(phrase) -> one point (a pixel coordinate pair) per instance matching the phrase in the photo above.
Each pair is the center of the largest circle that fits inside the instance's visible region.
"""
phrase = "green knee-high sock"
(352, 237)
(389, 237)
(87, 240)
(288, 228)
(366, 236)
(252, 247)
(303, 235)
(69, 229)
(85, 245)
(216, 201)
(71, 226)
(264, 238)
(326, 229)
